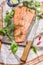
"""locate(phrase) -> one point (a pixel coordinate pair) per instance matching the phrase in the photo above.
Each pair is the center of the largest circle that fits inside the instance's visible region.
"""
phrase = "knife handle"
(26, 51)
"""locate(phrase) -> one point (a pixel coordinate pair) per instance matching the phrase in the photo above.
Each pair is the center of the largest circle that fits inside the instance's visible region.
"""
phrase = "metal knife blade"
(33, 31)
(30, 41)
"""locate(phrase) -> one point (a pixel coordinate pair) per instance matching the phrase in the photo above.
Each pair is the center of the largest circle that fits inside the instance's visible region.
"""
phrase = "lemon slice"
(13, 1)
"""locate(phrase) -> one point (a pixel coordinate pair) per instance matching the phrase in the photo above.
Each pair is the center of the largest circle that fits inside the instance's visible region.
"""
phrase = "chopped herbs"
(9, 15)
(34, 49)
(37, 4)
(38, 11)
(7, 12)
(25, 3)
(7, 18)
(9, 36)
(8, 31)
(12, 12)
(3, 31)
(39, 17)
(33, 7)
(14, 47)
(31, 1)
(11, 27)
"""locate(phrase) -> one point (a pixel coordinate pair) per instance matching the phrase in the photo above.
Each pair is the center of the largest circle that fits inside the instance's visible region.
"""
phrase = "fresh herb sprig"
(25, 3)
(31, 3)
(37, 4)
(14, 47)
(9, 28)
(34, 49)
(8, 17)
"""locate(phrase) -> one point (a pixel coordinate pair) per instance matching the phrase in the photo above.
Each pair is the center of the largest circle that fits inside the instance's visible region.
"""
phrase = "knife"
(30, 41)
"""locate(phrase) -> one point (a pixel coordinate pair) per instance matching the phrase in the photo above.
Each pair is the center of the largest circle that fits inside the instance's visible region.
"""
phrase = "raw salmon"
(23, 18)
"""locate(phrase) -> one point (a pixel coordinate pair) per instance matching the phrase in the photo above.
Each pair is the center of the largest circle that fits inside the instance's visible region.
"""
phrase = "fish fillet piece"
(23, 18)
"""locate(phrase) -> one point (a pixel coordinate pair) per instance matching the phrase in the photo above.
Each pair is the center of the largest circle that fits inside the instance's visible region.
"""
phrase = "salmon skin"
(23, 18)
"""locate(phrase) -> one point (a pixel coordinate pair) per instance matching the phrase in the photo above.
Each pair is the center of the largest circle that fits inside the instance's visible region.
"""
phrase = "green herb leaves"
(3, 31)
(31, 1)
(39, 17)
(25, 3)
(14, 47)
(7, 18)
(37, 4)
(9, 28)
(9, 15)
(12, 12)
(34, 49)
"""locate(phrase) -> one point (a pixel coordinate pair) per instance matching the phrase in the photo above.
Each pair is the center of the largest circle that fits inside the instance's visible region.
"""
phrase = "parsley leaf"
(31, 1)
(37, 4)
(34, 49)
(7, 18)
(25, 3)
(14, 47)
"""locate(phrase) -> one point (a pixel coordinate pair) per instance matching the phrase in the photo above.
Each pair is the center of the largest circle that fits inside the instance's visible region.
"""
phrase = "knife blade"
(30, 41)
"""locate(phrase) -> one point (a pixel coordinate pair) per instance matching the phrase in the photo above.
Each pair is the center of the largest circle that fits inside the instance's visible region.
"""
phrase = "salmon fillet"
(23, 18)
